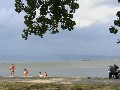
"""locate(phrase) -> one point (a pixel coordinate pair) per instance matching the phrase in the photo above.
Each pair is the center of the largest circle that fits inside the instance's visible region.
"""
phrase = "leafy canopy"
(113, 29)
(46, 15)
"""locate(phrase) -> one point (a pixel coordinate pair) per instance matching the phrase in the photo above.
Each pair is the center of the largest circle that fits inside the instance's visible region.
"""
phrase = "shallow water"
(62, 69)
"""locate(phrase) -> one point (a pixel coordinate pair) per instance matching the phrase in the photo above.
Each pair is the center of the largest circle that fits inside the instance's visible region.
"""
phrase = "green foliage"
(113, 29)
(51, 15)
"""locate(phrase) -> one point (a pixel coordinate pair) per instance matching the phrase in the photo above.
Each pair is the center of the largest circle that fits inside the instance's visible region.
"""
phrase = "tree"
(114, 29)
(51, 15)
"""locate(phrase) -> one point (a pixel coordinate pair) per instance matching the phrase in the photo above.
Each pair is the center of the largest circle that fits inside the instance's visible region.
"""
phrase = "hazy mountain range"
(56, 57)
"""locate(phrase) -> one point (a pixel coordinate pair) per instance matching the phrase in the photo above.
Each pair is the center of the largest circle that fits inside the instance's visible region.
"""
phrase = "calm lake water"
(61, 69)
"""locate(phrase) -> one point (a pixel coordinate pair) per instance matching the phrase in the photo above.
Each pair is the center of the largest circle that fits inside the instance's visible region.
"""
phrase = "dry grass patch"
(53, 86)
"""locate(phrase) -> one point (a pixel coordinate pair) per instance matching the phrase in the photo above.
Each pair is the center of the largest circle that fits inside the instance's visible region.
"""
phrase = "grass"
(53, 86)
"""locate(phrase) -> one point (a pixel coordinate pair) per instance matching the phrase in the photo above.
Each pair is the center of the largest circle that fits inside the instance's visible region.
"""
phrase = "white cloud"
(11, 25)
(10, 18)
(94, 11)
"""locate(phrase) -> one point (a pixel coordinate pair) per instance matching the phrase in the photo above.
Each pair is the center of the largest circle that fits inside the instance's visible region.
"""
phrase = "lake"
(92, 68)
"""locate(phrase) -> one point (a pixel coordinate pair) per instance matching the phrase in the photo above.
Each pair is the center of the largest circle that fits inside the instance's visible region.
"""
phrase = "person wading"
(12, 69)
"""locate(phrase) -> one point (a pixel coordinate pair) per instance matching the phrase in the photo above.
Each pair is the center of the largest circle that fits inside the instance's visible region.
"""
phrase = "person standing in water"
(39, 75)
(25, 73)
(12, 69)
(45, 74)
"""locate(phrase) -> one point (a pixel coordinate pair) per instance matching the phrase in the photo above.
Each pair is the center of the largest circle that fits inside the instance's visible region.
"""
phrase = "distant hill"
(56, 57)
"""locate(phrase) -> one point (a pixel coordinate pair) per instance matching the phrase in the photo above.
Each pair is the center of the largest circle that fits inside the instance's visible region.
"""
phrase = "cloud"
(94, 11)
(90, 36)
(10, 18)
(11, 26)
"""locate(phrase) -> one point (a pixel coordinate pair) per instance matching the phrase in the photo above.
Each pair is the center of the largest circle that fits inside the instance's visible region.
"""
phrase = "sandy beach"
(63, 80)
(58, 83)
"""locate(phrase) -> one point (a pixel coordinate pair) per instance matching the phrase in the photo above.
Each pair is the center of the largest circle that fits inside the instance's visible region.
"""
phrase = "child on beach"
(12, 69)
(39, 75)
(45, 74)
(25, 73)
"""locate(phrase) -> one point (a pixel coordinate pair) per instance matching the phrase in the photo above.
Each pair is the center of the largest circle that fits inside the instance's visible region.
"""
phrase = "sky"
(90, 35)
